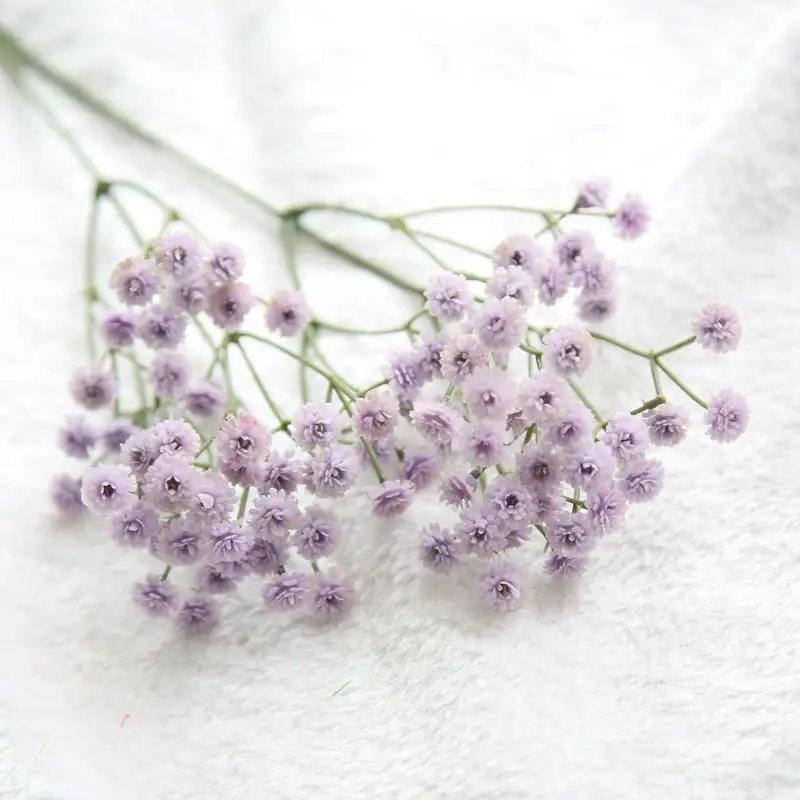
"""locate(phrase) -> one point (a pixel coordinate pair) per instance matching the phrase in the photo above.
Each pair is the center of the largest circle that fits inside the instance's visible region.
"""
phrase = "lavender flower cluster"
(197, 481)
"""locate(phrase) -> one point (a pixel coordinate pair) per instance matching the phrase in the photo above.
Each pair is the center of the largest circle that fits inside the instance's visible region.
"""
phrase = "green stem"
(679, 346)
(531, 351)
(680, 384)
(656, 377)
(242, 502)
(299, 211)
(649, 405)
(544, 213)
(616, 343)
(330, 326)
(585, 400)
(90, 287)
(383, 382)
(283, 420)
(340, 380)
(436, 237)
(166, 572)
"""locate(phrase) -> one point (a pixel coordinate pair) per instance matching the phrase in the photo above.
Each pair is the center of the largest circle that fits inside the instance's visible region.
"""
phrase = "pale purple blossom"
(572, 535)
(176, 437)
(483, 441)
(181, 541)
(210, 498)
(115, 432)
(439, 550)
(429, 354)
(542, 397)
(135, 282)
(509, 499)
(567, 351)
(593, 273)
(222, 577)
(280, 471)
(190, 293)
(437, 422)
(516, 422)
(632, 217)
(406, 372)
(198, 615)
(318, 533)
(226, 262)
(606, 507)
(597, 307)
(266, 554)
(590, 467)
(593, 193)
(563, 566)
(204, 399)
(331, 472)
(551, 279)
(77, 436)
(117, 329)
(140, 451)
(517, 535)
(376, 414)
(727, 416)
(108, 489)
(391, 498)
(457, 490)
(228, 541)
(642, 479)
(92, 387)
(316, 425)
(420, 467)
(480, 531)
(329, 598)
(169, 483)
(274, 514)
(161, 327)
(241, 441)
(447, 297)
(543, 507)
(169, 374)
(286, 592)
(571, 246)
(668, 424)
(65, 494)
(571, 428)
(500, 324)
(513, 282)
(627, 436)
(462, 356)
(489, 393)
(500, 586)
(155, 596)
(179, 253)
(135, 526)
(229, 304)
(539, 468)
(518, 250)
(718, 328)
(287, 312)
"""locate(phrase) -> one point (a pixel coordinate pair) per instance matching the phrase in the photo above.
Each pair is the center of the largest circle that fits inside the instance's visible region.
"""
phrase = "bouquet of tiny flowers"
(483, 406)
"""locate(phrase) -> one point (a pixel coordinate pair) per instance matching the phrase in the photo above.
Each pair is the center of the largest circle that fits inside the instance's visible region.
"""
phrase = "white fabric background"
(671, 672)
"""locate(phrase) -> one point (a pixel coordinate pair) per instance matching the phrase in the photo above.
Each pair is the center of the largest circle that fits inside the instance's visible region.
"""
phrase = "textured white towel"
(672, 671)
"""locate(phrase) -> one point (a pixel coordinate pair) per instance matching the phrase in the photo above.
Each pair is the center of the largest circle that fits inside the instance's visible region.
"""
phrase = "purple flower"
(592, 193)
(169, 374)
(241, 441)
(376, 414)
(135, 526)
(318, 534)
(597, 307)
(516, 422)
(215, 579)
(571, 428)
(77, 437)
(65, 494)
(108, 489)
(198, 615)
(190, 293)
(92, 387)
(718, 328)
(331, 472)
(406, 372)
(316, 425)
(517, 535)
(383, 450)
(117, 329)
(226, 262)
(489, 393)
(286, 592)
(572, 535)
(542, 397)
(606, 507)
(632, 217)
(169, 483)
(447, 297)
(178, 253)
(266, 554)
(571, 246)
(483, 442)
(626, 436)
(391, 498)
(330, 599)
(155, 596)
(501, 587)
(642, 479)
(668, 424)
(280, 471)
(429, 354)
(210, 498)
(590, 467)
(205, 399)
(457, 490)
(593, 273)
(229, 304)
(161, 327)
(509, 499)
(513, 282)
(134, 281)
(568, 351)
(115, 433)
(543, 507)
(437, 422)
(140, 451)
(726, 417)
(287, 312)
(420, 467)
(552, 280)
(480, 531)
(228, 541)
(539, 468)
(563, 566)
(181, 541)
(500, 324)
(273, 514)
(519, 250)
(176, 437)
(462, 356)
(439, 549)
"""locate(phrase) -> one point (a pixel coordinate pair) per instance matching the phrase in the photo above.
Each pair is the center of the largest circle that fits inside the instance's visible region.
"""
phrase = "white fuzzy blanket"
(673, 671)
